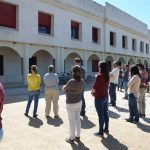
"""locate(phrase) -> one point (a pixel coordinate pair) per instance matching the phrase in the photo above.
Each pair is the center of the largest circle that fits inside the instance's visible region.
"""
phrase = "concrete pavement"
(27, 133)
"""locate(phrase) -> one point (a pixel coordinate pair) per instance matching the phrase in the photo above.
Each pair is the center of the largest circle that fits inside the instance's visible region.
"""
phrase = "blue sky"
(139, 9)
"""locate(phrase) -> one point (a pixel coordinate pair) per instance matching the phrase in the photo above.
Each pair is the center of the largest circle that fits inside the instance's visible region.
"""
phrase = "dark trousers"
(83, 105)
(101, 106)
(112, 93)
(134, 114)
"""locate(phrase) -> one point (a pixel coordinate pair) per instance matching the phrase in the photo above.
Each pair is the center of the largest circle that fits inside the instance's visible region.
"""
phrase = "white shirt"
(114, 75)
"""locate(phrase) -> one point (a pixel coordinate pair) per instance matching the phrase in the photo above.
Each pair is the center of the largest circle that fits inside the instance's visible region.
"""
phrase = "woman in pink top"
(1, 103)
(133, 88)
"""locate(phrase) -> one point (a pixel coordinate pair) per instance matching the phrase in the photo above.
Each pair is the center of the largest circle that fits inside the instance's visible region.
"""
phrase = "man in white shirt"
(51, 91)
(113, 83)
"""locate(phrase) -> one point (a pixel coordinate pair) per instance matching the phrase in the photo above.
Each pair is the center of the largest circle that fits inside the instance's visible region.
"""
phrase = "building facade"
(45, 32)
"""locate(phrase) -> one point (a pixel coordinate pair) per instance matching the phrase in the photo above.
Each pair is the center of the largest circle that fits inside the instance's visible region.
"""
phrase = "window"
(1, 65)
(134, 44)
(7, 15)
(147, 48)
(95, 37)
(95, 65)
(75, 30)
(112, 38)
(124, 42)
(142, 46)
(44, 23)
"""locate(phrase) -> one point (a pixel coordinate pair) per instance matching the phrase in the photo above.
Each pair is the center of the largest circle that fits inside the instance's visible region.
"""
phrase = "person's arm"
(96, 84)
(66, 87)
(132, 81)
(57, 79)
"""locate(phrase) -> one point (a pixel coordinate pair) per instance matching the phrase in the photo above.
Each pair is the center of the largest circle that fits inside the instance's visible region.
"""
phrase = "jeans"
(35, 95)
(101, 106)
(83, 105)
(125, 85)
(134, 114)
(112, 93)
(73, 111)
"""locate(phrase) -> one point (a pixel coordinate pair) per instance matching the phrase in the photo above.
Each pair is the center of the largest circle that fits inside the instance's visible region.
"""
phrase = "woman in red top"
(100, 92)
(1, 103)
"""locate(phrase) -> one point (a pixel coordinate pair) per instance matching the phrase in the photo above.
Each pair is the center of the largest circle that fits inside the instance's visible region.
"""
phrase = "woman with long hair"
(133, 89)
(100, 92)
(73, 90)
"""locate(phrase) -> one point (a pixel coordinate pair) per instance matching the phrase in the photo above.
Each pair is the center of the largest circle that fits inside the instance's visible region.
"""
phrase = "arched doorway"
(131, 62)
(42, 59)
(121, 61)
(139, 61)
(69, 62)
(109, 61)
(145, 64)
(11, 66)
(92, 64)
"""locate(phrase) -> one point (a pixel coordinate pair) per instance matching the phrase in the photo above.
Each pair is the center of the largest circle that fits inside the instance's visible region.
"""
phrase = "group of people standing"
(135, 82)
(74, 89)
(134, 88)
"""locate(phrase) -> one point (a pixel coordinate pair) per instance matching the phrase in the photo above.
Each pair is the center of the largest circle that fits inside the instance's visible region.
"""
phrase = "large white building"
(45, 32)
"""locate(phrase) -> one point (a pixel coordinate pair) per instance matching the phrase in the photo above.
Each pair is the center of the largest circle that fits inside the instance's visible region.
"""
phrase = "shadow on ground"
(1, 134)
(55, 122)
(113, 144)
(79, 146)
(86, 124)
(146, 120)
(113, 115)
(121, 109)
(35, 122)
(143, 127)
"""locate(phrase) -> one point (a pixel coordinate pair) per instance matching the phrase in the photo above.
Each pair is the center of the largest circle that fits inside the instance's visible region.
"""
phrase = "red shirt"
(101, 87)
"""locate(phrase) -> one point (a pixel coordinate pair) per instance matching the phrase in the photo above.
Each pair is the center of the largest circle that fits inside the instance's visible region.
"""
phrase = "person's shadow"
(113, 144)
(79, 146)
(113, 114)
(35, 122)
(146, 120)
(120, 109)
(143, 127)
(1, 134)
(86, 124)
(57, 121)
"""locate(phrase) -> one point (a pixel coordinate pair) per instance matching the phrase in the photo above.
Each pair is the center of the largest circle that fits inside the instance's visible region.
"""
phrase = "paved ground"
(22, 133)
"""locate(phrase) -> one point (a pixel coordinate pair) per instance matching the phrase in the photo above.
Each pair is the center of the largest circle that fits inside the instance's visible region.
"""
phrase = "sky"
(139, 9)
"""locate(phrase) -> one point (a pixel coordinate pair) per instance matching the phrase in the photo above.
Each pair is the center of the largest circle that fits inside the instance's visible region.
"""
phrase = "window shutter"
(7, 15)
